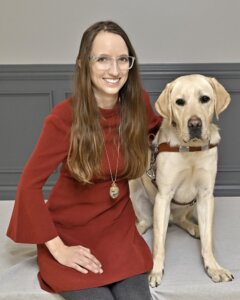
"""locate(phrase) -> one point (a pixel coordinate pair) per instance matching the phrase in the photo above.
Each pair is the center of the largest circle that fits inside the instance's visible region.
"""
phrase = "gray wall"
(162, 31)
(40, 40)
(28, 93)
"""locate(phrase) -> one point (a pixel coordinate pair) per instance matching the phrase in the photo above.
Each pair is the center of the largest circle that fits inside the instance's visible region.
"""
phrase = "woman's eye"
(204, 99)
(102, 59)
(180, 102)
(123, 59)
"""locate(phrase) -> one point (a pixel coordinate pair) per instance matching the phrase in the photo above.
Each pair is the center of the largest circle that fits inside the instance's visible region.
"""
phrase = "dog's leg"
(141, 204)
(205, 208)
(161, 215)
(150, 188)
(182, 217)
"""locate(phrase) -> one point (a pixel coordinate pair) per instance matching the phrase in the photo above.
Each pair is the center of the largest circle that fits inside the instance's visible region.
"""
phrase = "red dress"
(80, 214)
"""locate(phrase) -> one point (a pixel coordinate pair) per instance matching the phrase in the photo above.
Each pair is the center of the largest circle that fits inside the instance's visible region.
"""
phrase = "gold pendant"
(114, 191)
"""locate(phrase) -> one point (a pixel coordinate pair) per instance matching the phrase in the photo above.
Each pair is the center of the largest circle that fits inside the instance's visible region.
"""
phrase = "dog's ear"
(163, 105)
(222, 96)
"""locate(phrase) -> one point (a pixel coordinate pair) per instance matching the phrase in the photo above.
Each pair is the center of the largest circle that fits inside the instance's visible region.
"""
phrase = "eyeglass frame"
(94, 58)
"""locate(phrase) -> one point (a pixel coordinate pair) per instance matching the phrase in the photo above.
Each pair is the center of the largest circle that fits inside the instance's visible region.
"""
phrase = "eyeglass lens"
(105, 62)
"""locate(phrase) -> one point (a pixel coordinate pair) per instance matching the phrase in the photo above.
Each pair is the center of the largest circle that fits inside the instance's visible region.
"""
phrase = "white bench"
(184, 277)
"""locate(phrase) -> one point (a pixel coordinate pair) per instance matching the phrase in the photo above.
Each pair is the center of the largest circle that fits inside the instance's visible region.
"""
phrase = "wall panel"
(28, 93)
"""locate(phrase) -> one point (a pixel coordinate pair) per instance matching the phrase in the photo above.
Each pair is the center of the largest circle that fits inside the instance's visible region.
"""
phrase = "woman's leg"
(136, 287)
(99, 293)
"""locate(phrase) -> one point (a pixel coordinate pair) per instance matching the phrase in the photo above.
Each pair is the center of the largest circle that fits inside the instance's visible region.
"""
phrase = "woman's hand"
(76, 257)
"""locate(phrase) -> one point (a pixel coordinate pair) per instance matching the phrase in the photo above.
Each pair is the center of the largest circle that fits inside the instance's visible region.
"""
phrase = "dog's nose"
(194, 122)
(195, 127)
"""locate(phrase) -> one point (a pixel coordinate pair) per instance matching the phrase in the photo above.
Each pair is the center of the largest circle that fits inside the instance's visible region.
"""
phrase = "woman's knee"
(98, 293)
(132, 288)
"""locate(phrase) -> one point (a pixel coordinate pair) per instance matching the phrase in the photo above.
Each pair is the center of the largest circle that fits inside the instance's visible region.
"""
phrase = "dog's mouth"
(191, 137)
(195, 134)
(194, 140)
(192, 131)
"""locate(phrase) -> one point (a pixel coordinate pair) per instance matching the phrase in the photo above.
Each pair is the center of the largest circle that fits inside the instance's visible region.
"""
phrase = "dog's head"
(189, 103)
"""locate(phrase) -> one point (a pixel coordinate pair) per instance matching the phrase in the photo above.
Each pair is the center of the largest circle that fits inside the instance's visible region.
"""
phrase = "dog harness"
(165, 147)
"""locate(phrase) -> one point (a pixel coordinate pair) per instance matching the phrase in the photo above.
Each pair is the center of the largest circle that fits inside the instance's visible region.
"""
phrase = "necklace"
(114, 189)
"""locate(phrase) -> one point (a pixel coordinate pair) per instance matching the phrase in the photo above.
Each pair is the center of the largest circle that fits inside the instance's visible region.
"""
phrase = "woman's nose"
(114, 68)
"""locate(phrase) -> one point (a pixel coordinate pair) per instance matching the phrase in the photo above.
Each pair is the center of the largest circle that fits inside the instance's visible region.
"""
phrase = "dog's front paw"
(155, 278)
(219, 274)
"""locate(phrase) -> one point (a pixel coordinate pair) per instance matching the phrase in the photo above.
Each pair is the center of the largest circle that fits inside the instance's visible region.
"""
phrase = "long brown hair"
(86, 143)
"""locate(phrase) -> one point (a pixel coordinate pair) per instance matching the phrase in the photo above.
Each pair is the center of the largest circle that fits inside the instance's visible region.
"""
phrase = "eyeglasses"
(104, 62)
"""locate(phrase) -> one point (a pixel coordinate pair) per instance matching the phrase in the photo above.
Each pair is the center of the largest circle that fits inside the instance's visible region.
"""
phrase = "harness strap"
(165, 147)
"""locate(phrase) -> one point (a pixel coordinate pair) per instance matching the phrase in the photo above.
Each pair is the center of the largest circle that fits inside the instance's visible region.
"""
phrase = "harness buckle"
(183, 149)
(151, 173)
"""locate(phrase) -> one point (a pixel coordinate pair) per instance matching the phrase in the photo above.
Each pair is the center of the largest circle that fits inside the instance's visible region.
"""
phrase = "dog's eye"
(180, 102)
(204, 99)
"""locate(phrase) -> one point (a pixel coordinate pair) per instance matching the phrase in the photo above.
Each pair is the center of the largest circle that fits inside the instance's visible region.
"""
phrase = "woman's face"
(107, 75)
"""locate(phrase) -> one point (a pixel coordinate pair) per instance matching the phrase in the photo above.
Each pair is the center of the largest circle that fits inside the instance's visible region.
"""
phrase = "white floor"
(184, 277)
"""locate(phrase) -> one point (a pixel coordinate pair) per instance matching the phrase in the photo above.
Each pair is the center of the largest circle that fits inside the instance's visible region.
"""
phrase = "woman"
(88, 245)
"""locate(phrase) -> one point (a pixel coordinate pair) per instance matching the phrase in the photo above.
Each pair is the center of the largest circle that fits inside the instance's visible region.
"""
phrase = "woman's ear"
(79, 63)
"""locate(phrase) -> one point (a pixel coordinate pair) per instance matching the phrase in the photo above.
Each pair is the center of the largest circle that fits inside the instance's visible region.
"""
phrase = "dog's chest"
(188, 184)
(184, 175)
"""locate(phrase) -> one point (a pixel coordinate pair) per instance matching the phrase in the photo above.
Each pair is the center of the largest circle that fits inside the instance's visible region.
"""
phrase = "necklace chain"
(114, 189)
(118, 150)
(111, 173)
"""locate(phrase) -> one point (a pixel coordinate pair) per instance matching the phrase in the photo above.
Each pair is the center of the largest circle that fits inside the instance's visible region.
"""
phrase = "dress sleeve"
(31, 221)
(154, 120)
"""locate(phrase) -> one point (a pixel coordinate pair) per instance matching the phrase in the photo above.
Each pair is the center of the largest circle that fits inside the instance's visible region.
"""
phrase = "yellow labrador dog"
(185, 164)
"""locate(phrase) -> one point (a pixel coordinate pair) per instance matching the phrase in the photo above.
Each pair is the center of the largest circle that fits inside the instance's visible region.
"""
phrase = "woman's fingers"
(79, 268)
(87, 253)
(88, 262)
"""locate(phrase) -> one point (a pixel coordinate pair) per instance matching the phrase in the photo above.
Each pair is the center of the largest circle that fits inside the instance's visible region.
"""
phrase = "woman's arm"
(31, 221)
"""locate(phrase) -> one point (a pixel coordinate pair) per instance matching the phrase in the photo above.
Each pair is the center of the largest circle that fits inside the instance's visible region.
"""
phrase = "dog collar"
(165, 147)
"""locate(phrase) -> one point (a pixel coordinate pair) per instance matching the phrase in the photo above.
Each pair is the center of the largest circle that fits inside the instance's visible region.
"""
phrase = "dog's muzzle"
(195, 127)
